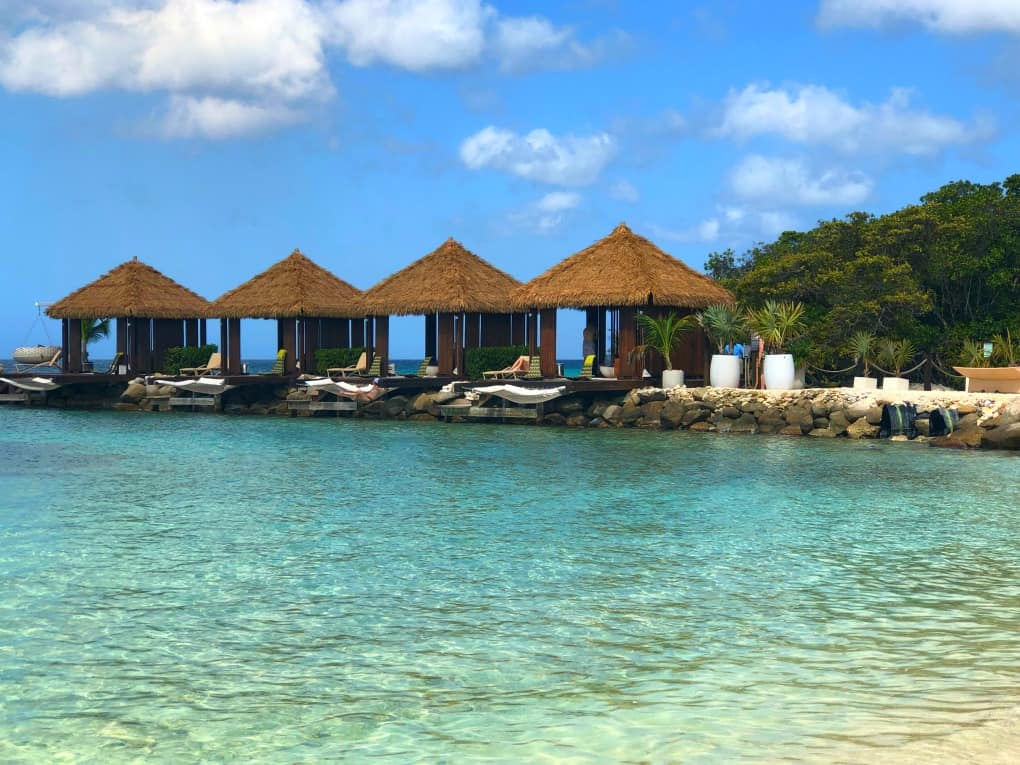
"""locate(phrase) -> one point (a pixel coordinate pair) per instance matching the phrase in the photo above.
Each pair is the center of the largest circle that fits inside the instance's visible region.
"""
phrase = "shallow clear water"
(202, 588)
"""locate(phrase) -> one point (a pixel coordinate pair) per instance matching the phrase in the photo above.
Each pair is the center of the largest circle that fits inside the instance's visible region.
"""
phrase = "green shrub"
(478, 360)
(179, 358)
(333, 358)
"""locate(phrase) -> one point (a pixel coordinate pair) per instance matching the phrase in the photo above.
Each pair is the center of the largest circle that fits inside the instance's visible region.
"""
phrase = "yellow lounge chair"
(213, 366)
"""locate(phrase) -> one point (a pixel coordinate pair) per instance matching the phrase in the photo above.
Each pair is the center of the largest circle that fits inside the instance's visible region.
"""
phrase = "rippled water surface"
(200, 588)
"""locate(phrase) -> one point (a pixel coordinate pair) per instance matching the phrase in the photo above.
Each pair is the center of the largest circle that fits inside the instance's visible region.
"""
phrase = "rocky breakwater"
(984, 420)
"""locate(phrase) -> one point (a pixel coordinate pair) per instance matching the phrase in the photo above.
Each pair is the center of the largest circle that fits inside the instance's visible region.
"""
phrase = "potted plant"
(662, 335)
(777, 324)
(724, 325)
(896, 354)
(862, 346)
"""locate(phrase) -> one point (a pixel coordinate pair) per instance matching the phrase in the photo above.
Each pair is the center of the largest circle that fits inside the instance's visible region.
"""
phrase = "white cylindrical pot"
(672, 378)
(895, 383)
(431, 370)
(865, 383)
(778, 371)
(725, 371)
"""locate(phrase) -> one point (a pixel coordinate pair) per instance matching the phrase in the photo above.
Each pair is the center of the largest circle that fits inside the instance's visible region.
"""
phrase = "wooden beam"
(225, 348)
(65, 343)
(444, 326)
(548, 345)
(382, 342)
(627, 341)
(288, 338)
(234, 359)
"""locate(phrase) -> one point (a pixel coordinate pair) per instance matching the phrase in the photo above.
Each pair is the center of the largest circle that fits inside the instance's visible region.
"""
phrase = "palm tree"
(92, 330)
(662, 334)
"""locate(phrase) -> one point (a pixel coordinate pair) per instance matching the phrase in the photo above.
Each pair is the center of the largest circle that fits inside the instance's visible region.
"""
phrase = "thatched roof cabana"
(623, 269)
(623, 273)
(311, 305)
(131, 289)
(293, 288)
(465, 301)
(450, 279)
(153, 313)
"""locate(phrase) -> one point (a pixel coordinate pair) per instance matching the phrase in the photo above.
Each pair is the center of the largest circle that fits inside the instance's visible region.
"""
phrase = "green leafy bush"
(478, 360)
(179, 358)
(333, 358)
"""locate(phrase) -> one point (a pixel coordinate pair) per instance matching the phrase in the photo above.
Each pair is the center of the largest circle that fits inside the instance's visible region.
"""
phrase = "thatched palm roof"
(623, 269)
(448, 280)
(292, 288)
(131, 289)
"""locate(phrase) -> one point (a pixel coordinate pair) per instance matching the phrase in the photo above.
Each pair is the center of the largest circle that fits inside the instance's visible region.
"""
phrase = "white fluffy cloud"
(257, 57)
(777, 181)
(219, 118)
(625, 191)
(417, 35)
(816, 115)
(539, 155)
(545, 215)
(948, 16)
(255, 46)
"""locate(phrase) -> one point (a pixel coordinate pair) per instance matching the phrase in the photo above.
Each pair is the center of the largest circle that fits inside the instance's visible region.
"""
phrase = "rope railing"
(832, 371)
(901, 374)
(947, 374)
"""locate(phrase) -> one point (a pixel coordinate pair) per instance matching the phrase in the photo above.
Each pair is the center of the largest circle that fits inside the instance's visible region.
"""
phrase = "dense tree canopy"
(938, 273)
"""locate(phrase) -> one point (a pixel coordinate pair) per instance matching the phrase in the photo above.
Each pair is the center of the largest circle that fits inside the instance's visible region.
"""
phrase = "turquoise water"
(198, 588)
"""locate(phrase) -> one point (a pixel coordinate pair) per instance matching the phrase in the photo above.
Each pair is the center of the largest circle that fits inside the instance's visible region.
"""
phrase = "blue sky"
(210, 138)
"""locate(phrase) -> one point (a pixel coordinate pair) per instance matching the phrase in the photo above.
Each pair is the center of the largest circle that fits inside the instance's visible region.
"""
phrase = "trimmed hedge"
(331, 358)
(478, 360)
(176, 358)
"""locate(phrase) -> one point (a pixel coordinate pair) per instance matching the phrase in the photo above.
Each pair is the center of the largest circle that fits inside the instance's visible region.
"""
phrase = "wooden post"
(313, 342)
(370, 336)
(201, 332)
(73, 350)
(600, 336)
(627, 341)
(430, 336)
(548, 345)
(532, 332)
(927, 370)
(288, 338)
(234, 359)
(382, 342)
(225, 348)
(444, 326)
(65, 330)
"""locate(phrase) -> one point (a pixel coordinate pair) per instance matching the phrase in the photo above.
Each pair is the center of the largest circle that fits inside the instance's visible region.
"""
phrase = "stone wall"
(985, 420)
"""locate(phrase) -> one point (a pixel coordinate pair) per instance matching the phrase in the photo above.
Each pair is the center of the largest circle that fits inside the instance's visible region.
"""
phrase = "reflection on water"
(184, 588)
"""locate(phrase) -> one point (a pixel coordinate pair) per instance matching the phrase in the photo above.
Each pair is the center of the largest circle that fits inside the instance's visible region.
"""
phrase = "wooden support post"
(370, 336)
(430, 336)
(234, 341)
(313, 342)
(73, 345)
(444, 326)
(65, 341)
(225, 348)
(382, 342)
(600, 336)
(201, 332)
(548, 345)
(288, 337)
(627, 341)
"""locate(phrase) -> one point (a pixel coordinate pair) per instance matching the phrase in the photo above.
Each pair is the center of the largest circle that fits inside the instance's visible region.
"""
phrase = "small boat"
(35, 354)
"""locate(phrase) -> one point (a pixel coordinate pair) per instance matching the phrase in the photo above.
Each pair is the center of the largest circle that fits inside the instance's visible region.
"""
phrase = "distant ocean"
(194, 588)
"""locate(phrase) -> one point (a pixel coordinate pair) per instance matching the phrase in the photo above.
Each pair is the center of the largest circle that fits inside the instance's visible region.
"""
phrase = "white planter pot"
(865, 383)
(778, 371)
(431, 370)
(672, 378)
(895, 383)
(725, 371)
(609, 372)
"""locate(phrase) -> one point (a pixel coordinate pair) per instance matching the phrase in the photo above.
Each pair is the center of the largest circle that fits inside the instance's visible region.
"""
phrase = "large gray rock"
(1002, 437)
(134, 393)
(861, 428)
(967, 438)
(647, 395)
(631, 413)
(612, 413)
(857, 410)
(652, 411)
(671, 414)
(838, 421)
(875, 415)
(394, 406)
(693, 415)
(745, 423)
(730, 412)
(422, 402)
(822, 433)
